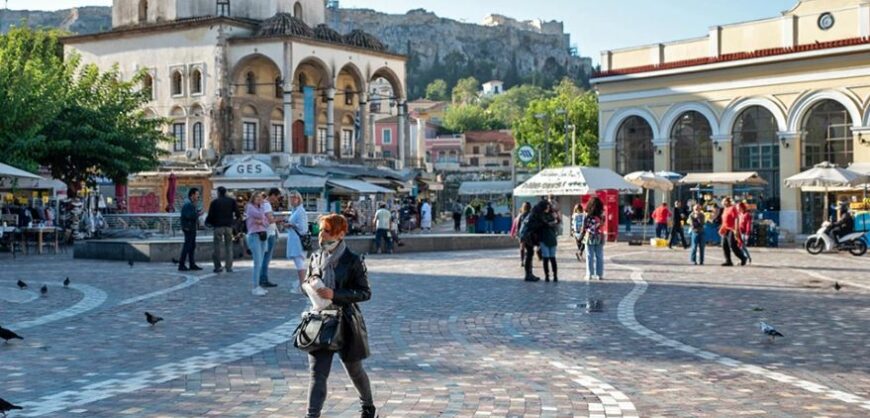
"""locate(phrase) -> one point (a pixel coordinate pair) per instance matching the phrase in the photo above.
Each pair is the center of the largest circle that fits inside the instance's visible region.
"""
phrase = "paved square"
(452, 335)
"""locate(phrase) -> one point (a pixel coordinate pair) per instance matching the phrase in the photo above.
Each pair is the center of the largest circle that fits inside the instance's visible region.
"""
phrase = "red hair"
(334, 223)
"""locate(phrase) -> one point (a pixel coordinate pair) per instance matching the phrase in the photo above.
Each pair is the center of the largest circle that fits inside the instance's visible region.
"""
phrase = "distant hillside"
(436, 47)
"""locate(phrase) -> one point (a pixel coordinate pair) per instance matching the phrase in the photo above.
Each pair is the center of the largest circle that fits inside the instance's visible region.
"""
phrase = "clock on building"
(826, 21)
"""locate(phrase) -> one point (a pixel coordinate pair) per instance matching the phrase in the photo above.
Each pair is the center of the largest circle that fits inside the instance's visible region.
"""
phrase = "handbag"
(304, 239)
(263, 235)
(321, 330)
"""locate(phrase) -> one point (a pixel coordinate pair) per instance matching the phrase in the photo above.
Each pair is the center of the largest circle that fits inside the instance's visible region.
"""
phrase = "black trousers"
(677, 230)
(527, 261)
(319, 366)
(729, 244)
(189, 248)
(457, 221)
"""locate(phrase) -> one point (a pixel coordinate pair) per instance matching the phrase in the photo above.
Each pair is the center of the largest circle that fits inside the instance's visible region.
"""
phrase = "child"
(577, 219)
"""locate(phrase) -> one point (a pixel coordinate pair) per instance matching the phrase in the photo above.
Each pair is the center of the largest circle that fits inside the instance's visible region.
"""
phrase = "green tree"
(469, 117)
(101, 130)
(466, 91)
(437, 90)
(544, 123)
(33, 79)
(510, 105)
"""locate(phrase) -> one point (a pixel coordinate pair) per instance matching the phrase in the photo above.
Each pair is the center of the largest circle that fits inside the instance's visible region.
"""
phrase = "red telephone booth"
(610, 199)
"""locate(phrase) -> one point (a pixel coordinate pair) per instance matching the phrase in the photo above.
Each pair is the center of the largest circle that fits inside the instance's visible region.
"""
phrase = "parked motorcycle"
(823, 241)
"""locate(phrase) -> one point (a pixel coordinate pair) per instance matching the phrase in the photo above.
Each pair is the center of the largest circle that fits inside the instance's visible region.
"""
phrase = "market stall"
(649, 181)
(704, 184)
(827, 178)
(479, 193)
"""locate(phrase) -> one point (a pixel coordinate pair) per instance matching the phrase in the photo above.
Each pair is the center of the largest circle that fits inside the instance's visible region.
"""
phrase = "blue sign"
(308, 97)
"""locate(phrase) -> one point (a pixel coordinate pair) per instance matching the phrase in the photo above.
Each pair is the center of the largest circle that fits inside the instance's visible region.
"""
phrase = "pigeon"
(152, 319)
(22, 285)
(43, 290)
(130, 263)
(9, 335)
(837, 286)
(5, 406)
(770, 331)
(66, 282)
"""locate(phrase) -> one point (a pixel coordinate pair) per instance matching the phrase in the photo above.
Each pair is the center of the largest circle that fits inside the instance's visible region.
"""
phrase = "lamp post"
(573, 145)
(546, 119)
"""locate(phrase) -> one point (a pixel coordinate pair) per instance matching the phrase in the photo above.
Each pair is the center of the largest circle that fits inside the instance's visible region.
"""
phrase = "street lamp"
(573, 144)
(546, 118)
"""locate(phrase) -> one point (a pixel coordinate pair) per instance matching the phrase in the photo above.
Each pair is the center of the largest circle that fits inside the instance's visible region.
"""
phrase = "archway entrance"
(300, 145)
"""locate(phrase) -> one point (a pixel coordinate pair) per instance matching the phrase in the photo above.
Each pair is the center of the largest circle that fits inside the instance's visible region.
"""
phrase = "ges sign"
(250, 168)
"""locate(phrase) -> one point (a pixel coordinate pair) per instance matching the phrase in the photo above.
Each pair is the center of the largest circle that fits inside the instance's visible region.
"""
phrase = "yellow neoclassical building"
(775, 96)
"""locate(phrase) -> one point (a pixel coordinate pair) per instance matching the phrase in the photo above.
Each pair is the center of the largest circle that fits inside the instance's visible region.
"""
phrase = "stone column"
(722, 161)
(330, 121)
(661, 162)
(403, 119)
(607, 155)
(789, 165)
(364, 134)
(288, 120)
(420, 155)
(861, 144)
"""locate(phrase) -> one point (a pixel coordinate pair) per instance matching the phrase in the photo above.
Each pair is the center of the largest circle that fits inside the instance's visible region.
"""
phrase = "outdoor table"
(40, 232)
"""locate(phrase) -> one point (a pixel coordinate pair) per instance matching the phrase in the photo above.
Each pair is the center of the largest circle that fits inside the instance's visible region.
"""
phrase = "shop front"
(245, 177)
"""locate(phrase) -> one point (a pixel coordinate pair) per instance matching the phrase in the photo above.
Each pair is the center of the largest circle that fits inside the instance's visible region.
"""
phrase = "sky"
(594, 25)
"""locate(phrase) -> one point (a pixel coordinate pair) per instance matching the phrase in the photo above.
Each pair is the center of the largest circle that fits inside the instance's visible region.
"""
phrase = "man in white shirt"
(383, 223)
(426, 216)
(271, 201)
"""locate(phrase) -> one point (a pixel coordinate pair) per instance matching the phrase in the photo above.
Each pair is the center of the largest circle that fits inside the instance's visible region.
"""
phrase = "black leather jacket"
(351, 288)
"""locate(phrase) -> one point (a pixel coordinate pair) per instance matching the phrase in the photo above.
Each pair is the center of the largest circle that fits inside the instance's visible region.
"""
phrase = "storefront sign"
(250, 168)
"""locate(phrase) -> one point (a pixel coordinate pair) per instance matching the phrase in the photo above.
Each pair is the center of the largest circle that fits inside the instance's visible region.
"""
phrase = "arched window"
(303, 81)
(756, 148)
(279, 87)
(196, 81)
(177, 83)
(297, 11)
(634, 148)
(143, 10)
(348, 96)
(692, 150)
(197, 135)
(828, 135)
(148, 86)
(251, 82)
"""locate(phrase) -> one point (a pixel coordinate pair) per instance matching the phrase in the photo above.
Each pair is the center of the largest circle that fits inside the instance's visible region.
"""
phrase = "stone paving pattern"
(452, 335)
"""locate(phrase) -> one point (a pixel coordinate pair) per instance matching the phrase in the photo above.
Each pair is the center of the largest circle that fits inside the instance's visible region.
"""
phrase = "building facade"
(250, 76)
(775, 96)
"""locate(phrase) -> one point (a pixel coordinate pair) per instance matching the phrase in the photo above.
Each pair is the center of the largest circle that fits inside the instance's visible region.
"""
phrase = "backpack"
(528, 234)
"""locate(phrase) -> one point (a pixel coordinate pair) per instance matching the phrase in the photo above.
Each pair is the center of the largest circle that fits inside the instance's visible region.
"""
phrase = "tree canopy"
(76, 121)
(437, 90)
(466, 91)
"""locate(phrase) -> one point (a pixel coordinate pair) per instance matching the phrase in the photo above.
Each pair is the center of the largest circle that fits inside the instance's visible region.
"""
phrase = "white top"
(272, 229)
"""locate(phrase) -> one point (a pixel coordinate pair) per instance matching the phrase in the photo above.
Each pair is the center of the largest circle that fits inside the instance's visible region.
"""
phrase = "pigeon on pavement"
(22, 285)
(5, 406)
(9, 335)
(770, 331)
(66, 282)
(152, 319)
(130, 262)
(43, 289)
(837, 286)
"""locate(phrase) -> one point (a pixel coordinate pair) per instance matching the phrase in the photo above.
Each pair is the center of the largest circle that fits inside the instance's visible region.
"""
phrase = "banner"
(308, 95)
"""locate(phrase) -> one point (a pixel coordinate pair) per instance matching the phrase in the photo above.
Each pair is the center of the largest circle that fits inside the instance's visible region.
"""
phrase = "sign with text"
(250, 168)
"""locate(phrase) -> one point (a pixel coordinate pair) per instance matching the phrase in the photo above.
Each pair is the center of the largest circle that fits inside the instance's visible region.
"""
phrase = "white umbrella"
(670, 175)
(825, 177)
(574, 181)
(8, 171)
(649, 181)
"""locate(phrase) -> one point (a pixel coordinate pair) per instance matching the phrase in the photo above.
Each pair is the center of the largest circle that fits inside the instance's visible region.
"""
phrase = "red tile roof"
(502, 137)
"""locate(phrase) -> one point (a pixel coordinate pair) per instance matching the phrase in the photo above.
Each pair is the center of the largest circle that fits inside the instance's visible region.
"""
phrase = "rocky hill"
(436, 47)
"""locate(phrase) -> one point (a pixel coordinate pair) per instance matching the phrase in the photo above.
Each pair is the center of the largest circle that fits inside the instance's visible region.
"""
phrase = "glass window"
(249, 136)
(197, 135)
(297, 11)
(251, 83)
(388, 154)
(348, 96)
(756, 148)
(277, 137)
(223, 7)
(148, 86)
(347, 143)
(279, 88)
(196, 82)
(634, 148)
(828, 135)
(177, 83)
(178, 134)
(321, 140)
(692, 149)
(387, 136)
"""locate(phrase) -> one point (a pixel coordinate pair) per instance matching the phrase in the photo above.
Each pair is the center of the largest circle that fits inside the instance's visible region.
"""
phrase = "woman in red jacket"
(744, 226)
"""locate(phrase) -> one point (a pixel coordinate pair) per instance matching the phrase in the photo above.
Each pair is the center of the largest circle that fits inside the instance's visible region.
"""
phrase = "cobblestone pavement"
(452, 335)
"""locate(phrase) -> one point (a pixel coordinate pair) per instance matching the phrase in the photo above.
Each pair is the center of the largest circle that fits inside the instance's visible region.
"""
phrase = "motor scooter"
(822, 241)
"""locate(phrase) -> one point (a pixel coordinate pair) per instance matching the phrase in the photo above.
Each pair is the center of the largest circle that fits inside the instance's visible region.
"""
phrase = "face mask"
(330, 245)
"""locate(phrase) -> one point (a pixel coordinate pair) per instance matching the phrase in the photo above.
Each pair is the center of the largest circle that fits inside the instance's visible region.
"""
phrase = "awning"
(10, 171)
(574, 181)
(749, 178)
(357, 186)
(478, 188)
(303, 182)
(246, 183)
(34, 184)
(860, 168)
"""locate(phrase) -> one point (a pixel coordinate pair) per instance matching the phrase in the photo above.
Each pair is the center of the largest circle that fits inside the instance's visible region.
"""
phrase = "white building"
(492, 88)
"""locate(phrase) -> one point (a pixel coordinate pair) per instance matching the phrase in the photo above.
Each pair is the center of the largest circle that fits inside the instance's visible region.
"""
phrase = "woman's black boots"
(369, 412)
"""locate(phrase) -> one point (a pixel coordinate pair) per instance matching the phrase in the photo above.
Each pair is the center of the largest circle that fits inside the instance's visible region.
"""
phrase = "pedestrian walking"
(525, 210)
(470, 218)
(426, 216)
(383, 224)
(627, 217)
(697, 221)
(223, 213)
(548, 245)
(531, 232)
(729, 233)
(189, 224)
(255, 218)
(271, 202)
(744, 227)
(577, 219)
(593, 236)
(345, 283)
(456, 210)
(297, 231)
(489, 218)
(394, 227)
(660, 217)
(677, 220)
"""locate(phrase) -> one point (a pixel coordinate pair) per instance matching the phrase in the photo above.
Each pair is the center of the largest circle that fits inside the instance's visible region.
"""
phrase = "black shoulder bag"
(320, 331)
(304, 239)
